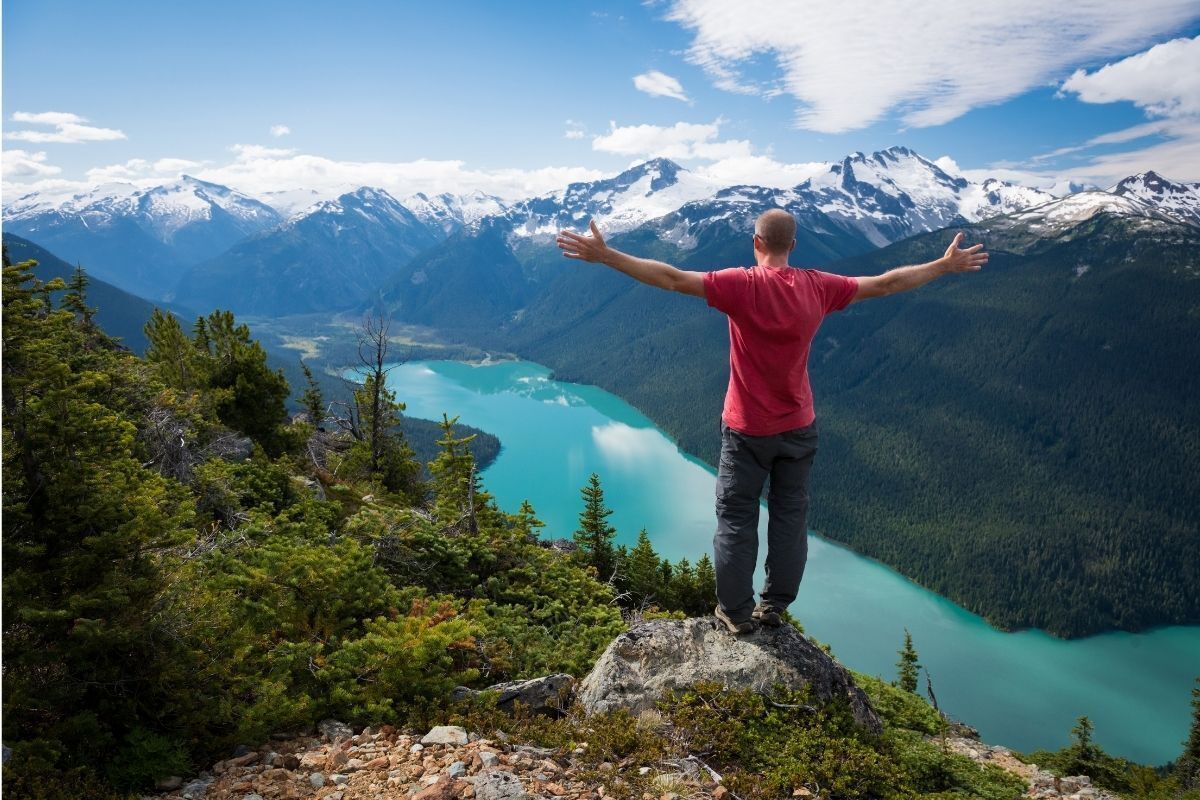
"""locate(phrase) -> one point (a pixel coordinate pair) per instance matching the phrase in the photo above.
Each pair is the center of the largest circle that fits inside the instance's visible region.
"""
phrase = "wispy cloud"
(141, 170)
(682, 140)
(24, 164)
(851, 63)
(575, 130)
(1164, 80)
(660, 84)
(67, 128)
(280, 130)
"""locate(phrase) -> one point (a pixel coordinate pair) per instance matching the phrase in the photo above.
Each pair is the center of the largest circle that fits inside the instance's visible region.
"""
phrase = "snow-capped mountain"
(895, 193)
(450, 212)
(725, 222)
(328, 256)
(141, 239)
(1179, 200)
(638, 195)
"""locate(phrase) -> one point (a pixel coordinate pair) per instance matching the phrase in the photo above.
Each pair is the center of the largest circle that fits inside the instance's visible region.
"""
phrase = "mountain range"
(200, 243)
(1020, 440)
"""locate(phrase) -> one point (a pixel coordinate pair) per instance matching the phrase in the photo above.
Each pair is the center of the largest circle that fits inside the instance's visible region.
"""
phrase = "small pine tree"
(640, 569)
(595, 535)
(1187, 770)
(908, 666)
(525, 521)
(458, 495)
(313, 399)
(706, 586)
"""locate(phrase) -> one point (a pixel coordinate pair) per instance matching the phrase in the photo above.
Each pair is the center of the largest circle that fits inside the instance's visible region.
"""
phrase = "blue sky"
(521, 97)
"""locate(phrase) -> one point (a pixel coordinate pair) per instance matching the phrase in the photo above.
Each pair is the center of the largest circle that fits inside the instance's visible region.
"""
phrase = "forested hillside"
(1021, 440)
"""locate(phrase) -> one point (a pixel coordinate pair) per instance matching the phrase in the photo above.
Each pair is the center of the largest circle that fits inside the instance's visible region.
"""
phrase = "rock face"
(547, 695)
(667, 653)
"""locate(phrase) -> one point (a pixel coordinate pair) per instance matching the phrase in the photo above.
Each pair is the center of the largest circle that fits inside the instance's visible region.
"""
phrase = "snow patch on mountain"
(1178, 200)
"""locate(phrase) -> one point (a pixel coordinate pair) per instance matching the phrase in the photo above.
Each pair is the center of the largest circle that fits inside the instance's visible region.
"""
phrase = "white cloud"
(659, 84)
(280, 130)
(142, 172)
(1164, 80)
(683, 140)
(575, 130)
(245, 152)
(258, 170)
(68, 128)
(851, 63)
(24, 164)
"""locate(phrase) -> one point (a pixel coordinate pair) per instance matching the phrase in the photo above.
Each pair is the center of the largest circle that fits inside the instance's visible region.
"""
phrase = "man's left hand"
(585, 248)
(970, 259)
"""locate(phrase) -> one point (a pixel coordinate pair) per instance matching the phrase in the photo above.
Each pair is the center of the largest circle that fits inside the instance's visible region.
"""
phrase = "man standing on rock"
(768, 423)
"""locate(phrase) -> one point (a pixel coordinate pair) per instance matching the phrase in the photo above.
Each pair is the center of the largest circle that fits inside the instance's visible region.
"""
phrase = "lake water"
(1024, 690)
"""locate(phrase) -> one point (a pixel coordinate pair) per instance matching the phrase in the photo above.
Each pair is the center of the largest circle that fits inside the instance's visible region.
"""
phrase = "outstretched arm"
(654, 273)
(902, 279)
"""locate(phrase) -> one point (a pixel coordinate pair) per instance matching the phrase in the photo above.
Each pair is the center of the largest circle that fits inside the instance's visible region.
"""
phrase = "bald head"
(777, 229)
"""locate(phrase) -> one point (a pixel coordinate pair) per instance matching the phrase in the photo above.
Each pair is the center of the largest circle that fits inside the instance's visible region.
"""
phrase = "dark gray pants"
(747, 462)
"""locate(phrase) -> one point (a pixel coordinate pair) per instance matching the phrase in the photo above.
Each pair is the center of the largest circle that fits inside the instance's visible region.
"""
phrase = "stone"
(332, 730)
(316, 780)
(169, 784)
(378, 763)
(354, 765)
(252, 797)
(499, 785)
(457, 769)
(652, 656)
(291, 762)
(548, 695)
(443, 788)
(445, 734)
(489, 758)
(338, 779)
(196, 789)
(244, 760)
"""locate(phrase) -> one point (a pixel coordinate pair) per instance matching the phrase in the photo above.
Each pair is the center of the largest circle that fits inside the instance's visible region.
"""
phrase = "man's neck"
(772, 261)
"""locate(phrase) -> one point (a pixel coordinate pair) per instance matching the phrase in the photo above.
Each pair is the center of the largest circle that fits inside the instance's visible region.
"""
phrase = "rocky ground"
(449, 763)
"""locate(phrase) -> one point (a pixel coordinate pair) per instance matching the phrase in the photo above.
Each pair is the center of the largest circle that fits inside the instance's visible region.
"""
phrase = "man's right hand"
(585, 248)
(970, 259)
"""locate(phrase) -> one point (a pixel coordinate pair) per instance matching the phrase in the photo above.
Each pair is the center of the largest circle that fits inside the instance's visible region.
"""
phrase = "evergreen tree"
(595, 535)
(87, 529)
(175, 355)
(458, 496)
(75, 300)
(641, 576)
(1187, 770)
(250, 395)
(313, 398)
(525, 521)
(908, 666)
(706, 586)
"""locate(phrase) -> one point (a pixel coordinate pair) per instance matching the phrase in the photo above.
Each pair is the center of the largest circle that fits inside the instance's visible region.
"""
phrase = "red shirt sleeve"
(726, 289)
(837, 290)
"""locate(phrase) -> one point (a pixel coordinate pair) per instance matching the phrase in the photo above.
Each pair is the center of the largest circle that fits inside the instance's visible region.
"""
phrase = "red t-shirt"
(773, 315)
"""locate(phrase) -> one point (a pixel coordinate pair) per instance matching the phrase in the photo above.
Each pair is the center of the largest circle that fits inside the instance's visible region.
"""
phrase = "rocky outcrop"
(548, 695)
(671, 653)
(1043, 785)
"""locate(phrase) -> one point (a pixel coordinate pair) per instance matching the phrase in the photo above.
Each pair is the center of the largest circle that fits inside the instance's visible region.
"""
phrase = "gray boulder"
(548, 695)
(658, 654)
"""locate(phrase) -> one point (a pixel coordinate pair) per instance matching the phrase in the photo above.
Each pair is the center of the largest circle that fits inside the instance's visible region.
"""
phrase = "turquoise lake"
(1024, 689)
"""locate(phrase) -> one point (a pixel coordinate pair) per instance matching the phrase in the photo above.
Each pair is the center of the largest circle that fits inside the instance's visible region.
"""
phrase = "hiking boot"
(768, 614)
(733, 627)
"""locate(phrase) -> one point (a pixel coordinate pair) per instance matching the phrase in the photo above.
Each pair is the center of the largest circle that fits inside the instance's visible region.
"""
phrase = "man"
(768, 425)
